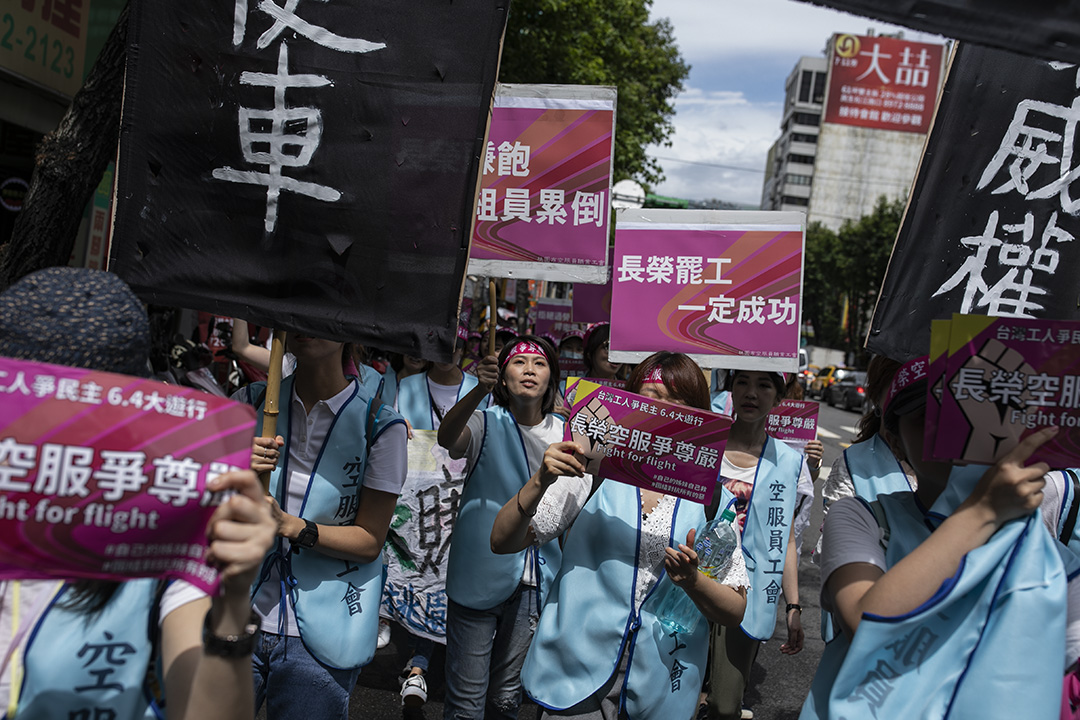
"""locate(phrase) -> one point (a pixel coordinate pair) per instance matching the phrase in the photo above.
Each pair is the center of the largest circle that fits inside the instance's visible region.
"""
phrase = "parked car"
(820, 384)
(848, 391)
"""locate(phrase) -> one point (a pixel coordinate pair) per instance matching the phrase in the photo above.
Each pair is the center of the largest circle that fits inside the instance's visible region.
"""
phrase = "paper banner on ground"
(724, 287)
(418, 542)
(307, 166)
(592, 303)
(545, 194)
(1007, 378)
(103, 476)
(990, 225)
(794, 422)
(655, 445)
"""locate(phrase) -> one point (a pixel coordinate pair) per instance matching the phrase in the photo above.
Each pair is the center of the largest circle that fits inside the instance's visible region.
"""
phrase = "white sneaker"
(414, 691)
(747, 714)
(384, 634)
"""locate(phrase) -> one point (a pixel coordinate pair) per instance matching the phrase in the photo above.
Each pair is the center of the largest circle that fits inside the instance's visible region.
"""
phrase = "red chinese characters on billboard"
(883, 83)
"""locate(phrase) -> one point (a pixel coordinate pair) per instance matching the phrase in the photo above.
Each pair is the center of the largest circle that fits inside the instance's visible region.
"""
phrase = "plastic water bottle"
(714, 543)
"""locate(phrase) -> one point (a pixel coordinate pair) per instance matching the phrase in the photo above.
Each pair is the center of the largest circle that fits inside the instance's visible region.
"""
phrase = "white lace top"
(563, 501)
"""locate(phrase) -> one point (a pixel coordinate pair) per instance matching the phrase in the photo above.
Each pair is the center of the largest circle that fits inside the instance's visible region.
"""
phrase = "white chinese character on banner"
(285, 17)
(485, 207)
(489, 158)
(721, 307)
(64, 470)
(67, 389)
(640, 441)
(516, 204)
(783, 311)
(631, 269)
(751, 310)
(290, 136)
(514, 159)
(688, 269)
(659, 269)
(875, 59)
(43, 386)
(120, 472)
(90, 393)
(707, 457)
(551, 206)
(588, 208)
(175, 481)
(717, 279)
(916, 76)
(685, 451)
(16, 460)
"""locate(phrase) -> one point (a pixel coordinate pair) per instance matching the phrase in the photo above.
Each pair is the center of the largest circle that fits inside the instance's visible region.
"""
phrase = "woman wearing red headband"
(599, 647)
(494, 600)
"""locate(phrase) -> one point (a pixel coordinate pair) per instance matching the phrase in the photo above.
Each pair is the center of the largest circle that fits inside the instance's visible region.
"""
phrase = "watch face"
(308, 536)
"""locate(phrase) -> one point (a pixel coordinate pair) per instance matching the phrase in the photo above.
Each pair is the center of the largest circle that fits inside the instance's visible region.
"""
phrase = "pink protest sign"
(723, 287)
(104, 476)
(794, 422)
(1005, 379)
(654, 445)
(543, 208)
(552, 316)
(592, 303)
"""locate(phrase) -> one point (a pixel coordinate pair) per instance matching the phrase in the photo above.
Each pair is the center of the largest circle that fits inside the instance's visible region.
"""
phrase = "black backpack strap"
(1074, 506)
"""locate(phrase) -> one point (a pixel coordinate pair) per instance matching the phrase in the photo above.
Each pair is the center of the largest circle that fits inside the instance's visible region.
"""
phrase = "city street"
(779, 682)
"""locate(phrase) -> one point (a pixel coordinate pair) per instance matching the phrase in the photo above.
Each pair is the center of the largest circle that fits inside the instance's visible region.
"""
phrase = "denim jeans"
(295, 684)
(485, 650)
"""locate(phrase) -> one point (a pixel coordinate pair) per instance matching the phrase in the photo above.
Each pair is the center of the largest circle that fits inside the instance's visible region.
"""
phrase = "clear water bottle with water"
(714, 543)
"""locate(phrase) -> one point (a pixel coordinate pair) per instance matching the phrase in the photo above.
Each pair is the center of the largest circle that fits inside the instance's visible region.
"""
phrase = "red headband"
(909, 373)
(524, 347)
(656, 377)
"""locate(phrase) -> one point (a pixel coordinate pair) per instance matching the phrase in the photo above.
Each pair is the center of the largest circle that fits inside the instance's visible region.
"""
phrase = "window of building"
(802, 137)
(807, 119)
(805, 159)
(789, 200)
(806, 83)
(794, 179)
(819, 87)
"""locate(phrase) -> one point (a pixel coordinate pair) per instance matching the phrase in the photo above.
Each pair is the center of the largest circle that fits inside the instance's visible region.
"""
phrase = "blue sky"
(740, 53)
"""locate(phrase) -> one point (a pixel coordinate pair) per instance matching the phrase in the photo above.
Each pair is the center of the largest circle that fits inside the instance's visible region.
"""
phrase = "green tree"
(603, 42)
(849, 266)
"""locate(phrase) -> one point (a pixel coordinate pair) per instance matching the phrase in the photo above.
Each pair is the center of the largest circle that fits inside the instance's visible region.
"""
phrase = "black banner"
(1041, 29)
(990, 227)
(307, 165)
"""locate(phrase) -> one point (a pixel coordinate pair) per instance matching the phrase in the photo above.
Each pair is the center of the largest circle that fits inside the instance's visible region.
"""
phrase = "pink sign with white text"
(729, 295)
(794, 422)
(104, 475)
(629, 438)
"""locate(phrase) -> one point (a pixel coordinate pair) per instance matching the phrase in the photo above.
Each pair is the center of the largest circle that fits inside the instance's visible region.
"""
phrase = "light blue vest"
(765, 534)
(990, 643)
(874, 471)
(389, 387)
(76, 662)
(588, 618)
(721, 402)
(476, 577)
(371, 379)
(414, 399)
(336, 601)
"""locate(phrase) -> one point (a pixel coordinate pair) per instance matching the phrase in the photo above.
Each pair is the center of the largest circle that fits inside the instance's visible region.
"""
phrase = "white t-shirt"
(536, 439)
(34, 598)
(851, 535)
(385, 472)
(443, 397)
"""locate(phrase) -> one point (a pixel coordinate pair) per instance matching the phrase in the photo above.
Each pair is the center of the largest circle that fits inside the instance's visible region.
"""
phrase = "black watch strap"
(308, 536)
(231, 646)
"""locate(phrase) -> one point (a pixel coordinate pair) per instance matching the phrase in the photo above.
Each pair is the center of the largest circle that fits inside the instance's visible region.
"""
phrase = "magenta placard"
(629, 438)
(794, 422)
(552, 317)
(1007, 378)
(545, 192)
(723, 294)
(592, 303)
(104, 475)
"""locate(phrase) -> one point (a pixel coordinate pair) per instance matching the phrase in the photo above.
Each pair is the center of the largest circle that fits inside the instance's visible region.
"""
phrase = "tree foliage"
(603, 42)
(848, 266)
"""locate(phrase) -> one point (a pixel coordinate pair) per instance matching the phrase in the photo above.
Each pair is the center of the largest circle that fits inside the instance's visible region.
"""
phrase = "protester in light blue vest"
(763, 474)
(494, 600)
(599, 647)
(401, 367)
(333, 493)
(423, 400)
(85, 649)
(950, 600)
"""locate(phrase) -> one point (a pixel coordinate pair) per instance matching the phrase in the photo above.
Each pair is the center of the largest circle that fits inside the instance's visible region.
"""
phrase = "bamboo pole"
(273, 394)
(492, 316)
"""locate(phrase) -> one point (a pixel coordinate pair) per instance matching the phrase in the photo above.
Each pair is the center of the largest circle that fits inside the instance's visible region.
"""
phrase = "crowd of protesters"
(553, 574)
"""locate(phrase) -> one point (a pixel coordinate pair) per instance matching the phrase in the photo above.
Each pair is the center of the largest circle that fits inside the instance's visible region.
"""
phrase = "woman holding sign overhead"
(599, 647)
(494, 599)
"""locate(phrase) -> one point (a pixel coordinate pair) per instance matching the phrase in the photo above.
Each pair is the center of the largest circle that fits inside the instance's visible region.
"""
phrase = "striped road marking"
(825, 433)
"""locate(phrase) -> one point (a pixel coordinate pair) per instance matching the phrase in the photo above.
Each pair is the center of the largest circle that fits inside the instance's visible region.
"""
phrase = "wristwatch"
(308, 536)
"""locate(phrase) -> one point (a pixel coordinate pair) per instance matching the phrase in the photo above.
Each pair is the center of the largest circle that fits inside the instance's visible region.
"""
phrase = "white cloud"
(718, 128)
